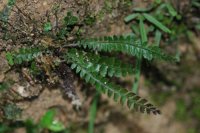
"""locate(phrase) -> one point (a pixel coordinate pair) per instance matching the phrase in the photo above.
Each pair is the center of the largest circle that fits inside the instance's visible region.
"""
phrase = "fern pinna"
(96, 69)
(125, 44)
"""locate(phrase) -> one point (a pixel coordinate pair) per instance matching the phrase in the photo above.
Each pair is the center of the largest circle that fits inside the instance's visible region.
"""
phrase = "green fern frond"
(5, 12)
(23, 55)
(103, 85)
(102, 64)
(125, 44)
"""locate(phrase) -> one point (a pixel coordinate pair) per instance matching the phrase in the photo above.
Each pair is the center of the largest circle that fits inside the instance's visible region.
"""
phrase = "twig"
(70, 45)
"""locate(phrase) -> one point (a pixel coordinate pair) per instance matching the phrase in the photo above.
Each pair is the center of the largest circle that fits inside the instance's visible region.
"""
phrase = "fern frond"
(103, 65)
(125, 44)
(5, 12)
(113, 91)
(23, 55)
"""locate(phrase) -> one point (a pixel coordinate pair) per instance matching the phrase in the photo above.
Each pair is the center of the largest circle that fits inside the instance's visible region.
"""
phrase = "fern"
(103, 85)
(125, 44)
(102, 64)
(23, 55)
(93, 67)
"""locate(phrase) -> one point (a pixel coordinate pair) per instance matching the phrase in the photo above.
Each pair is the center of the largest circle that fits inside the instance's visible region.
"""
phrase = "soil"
(35, 100)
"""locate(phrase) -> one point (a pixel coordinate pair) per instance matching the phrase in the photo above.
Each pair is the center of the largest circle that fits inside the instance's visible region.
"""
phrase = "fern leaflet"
(23, 55)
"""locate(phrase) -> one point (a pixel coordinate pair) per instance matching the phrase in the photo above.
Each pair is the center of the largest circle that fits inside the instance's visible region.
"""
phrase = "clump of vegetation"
(84, 56)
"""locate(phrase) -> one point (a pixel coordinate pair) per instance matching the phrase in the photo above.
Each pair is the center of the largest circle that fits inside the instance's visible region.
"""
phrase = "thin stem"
(92, 115)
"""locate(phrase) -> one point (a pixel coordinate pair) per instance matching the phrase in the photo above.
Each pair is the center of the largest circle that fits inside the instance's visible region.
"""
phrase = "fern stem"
(93, 110)
(144, 39)
(137, 76)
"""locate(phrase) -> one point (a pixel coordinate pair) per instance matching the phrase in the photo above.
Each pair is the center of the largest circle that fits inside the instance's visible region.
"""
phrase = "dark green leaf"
(4, 86)
(11, 2)
(70, 19)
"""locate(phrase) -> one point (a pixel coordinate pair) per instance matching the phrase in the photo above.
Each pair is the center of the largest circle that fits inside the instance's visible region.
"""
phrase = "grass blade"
(135, 29)
(131, 17)
(156, 22)
(143, 31)
(158, 36)
(171, 10)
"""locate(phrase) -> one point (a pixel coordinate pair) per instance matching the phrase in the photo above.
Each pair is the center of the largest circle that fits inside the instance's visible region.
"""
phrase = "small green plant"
(46, 123)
